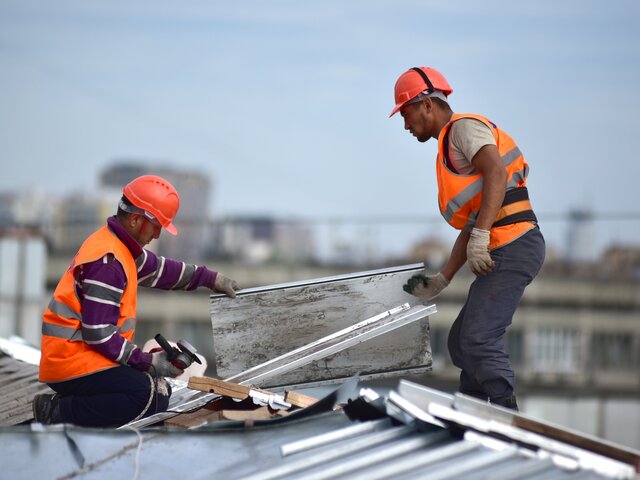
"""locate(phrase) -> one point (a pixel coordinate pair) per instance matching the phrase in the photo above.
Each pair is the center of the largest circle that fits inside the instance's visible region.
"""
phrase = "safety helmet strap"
(424, 76)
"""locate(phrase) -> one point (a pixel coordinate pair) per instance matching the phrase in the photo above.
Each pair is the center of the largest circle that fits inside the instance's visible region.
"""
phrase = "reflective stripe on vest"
(460, 196)
(465, 196)
(76, 335)
(67, 343)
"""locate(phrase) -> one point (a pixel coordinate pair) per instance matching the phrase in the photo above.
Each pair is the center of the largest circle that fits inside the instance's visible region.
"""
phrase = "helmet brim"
(171, 228)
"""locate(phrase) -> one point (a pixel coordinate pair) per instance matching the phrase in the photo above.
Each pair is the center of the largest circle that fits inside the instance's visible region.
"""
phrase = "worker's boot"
(46, 409)
(508, 401)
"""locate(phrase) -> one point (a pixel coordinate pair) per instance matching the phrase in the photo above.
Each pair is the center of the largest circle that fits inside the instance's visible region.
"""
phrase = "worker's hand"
(226, 285)
(478, 252)
(161, 367)
(426, 287)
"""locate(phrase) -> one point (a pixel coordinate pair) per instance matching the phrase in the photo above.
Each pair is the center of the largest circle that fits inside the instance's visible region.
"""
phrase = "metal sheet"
(334, 436)
(375, 326)
(267, 322)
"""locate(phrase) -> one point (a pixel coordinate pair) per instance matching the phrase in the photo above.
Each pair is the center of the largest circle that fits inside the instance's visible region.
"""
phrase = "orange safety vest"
(460, 196)
(64, 353)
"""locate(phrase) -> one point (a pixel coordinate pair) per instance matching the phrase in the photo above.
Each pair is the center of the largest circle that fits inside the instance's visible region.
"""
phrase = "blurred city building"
(30, 209)
(432, 251)
(23, 263)
(78, 215)
(581, 243)
(260, 239)
(620, 260)
(193, 217)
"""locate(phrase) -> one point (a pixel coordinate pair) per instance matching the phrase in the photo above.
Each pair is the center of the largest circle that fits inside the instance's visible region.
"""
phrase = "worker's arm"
(427, 287)
(100, 286)
(169, 274)
(487, 162)
(494, 184)
(458, 256)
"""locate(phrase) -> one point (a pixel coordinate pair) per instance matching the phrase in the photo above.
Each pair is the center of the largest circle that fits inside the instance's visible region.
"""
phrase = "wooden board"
(264, 323)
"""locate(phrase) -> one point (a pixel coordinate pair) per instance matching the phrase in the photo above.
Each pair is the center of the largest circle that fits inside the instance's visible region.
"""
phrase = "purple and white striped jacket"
(100, 285)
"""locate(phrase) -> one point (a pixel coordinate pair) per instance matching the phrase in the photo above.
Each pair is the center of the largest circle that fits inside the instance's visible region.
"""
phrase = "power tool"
(182, 356)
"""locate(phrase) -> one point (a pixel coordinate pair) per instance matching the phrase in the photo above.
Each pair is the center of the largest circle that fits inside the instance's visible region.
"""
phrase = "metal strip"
(461, 468)
(333, 436)
(372, 327)
(417, 461)
(363, 377)
(318, 281)
(528, 468)
(399, 449)
(408, 408)
(362, 444)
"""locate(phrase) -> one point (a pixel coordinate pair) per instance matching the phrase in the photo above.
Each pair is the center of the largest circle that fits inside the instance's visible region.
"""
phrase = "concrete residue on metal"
(267, 322)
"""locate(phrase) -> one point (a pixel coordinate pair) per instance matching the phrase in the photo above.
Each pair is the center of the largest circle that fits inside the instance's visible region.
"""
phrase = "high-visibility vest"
(460, 196)
(64, 353)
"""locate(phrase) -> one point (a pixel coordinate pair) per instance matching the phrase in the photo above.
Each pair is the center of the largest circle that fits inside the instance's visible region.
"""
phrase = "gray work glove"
(161, 367)
(478, 252)
(426, 287)
(226, 285)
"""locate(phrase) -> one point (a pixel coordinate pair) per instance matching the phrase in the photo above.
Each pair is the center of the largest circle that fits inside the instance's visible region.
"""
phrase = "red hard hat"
(415, 81)
(156, 196)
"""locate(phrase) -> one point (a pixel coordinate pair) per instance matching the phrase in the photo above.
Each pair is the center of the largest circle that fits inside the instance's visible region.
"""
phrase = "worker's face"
(417, 119)
(145, 230)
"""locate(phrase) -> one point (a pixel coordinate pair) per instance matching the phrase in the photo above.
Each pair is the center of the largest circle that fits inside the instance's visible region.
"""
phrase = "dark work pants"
(476, 340)
(109, 398)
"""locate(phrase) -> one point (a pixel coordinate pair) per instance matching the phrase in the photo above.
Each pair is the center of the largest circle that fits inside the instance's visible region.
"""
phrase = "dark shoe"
(506, 402)
(45, 408)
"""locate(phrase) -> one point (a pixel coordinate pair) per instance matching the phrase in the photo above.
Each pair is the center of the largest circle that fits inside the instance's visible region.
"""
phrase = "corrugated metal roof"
(410, 432)
(419, 433)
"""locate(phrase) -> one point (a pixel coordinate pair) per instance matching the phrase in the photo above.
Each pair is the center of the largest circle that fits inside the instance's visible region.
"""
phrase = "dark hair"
(122, 214)
(441, 103)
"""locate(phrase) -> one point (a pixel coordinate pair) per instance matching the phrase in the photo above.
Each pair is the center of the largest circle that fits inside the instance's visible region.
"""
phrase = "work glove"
(426, 287)
(161, 367)
(478, 252)
(226, 285)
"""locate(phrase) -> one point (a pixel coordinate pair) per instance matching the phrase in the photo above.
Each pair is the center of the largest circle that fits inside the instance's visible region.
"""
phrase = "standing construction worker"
(482, 192)
(88, 356)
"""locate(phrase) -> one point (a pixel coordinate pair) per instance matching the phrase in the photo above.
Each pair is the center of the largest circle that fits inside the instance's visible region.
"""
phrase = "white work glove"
(161, 367)
(426, 287)
(226, 285)
(478, 252)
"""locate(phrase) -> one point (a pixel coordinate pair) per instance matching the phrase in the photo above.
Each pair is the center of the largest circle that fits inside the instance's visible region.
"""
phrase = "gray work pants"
(476, 340)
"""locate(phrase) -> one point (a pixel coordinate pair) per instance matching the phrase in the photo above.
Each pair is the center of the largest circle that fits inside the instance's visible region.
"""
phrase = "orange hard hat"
(417, 80)
(157, 197)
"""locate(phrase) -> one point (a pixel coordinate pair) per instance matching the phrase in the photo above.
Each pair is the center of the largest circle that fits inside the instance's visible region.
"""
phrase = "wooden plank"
(262, 324)
(220, 387)
(260, 413)
(194, 419)
(299, 399)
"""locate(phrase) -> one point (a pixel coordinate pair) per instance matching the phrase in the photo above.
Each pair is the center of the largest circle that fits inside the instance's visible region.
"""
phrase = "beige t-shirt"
(466, 137)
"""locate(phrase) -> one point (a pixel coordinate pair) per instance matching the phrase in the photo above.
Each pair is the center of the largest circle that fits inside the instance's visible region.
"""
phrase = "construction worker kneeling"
(101, 378)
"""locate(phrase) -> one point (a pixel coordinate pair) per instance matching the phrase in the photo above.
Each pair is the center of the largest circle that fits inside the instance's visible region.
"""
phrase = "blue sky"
(285, 104)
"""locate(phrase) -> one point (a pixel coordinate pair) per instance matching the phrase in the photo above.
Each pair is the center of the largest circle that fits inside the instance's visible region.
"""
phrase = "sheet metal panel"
(267, 322)
(259, 375)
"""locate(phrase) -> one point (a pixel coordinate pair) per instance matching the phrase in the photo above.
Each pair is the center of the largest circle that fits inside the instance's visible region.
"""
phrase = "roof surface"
(414, 432)
(18, 383)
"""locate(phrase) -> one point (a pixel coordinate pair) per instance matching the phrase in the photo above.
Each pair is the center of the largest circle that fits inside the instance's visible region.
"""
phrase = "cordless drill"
(182, 356)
